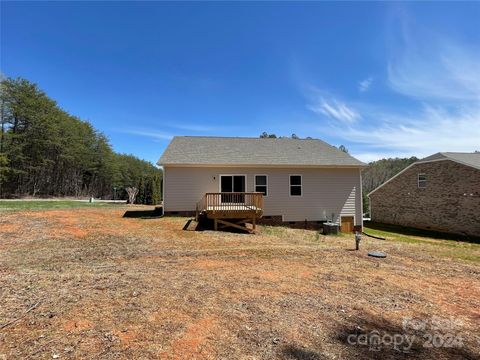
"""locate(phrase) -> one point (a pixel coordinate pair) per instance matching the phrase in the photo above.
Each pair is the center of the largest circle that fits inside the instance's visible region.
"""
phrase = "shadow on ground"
(192, 225)
(295, 352)
(421, 232)
(374, 337)
(144, 214)
(204, 224)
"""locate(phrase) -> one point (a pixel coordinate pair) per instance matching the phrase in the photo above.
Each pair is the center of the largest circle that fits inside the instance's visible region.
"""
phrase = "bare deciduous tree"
(132, 194)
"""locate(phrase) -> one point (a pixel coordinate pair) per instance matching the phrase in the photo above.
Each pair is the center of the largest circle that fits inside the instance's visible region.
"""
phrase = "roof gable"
(467, 159)
(228, 151)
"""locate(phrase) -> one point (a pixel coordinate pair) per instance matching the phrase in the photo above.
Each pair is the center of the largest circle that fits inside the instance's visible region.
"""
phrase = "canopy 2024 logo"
(433, 333)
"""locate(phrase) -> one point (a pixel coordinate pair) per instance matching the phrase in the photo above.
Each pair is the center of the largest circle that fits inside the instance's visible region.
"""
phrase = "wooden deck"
(231, 209)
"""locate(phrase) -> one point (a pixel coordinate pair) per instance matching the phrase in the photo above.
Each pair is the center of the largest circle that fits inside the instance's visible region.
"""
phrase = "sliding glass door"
(232, 184)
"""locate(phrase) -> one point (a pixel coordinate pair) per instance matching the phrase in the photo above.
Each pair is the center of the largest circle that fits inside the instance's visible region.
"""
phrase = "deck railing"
(231, 202)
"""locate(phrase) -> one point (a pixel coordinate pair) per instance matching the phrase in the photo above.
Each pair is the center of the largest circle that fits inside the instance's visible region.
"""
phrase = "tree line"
(265, 135)
(377, 172)
(45, 151)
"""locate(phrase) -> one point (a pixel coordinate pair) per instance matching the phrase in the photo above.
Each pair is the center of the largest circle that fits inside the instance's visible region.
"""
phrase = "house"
(440, 192)
(284, 180)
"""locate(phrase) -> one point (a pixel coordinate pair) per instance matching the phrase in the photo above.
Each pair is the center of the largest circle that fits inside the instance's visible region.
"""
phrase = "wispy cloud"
(364, 85)
(148, 133)
(420, 134)
(432, 66)
(334, 109)
(439, 77)
(194, 128)
(171, 130)
(453, 75)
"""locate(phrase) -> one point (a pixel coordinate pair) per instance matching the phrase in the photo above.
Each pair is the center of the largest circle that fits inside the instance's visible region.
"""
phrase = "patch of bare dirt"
(106, 287)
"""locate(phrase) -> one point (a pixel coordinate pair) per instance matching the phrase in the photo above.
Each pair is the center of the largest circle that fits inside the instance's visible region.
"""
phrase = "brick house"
(440, 192)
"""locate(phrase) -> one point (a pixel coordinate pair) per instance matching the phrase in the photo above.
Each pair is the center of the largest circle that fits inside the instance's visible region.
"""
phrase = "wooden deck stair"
(232, 209)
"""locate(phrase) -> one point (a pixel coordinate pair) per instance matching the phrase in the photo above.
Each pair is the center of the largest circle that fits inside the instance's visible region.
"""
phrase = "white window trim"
(290, 185)
(423, 181)
(255, 183)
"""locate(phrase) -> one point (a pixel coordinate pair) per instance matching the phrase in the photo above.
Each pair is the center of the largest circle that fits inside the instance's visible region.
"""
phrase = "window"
(295, 185)
(422, 180)
(261, 184)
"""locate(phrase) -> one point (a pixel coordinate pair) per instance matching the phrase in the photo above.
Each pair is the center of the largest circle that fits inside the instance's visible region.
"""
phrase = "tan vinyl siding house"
(327, 181)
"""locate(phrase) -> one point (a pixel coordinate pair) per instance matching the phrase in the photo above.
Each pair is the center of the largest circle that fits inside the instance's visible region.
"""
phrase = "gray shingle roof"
(197, 150)
(469, 159)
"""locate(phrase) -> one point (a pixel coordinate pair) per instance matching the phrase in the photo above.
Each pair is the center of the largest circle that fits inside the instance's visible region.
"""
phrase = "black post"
(358, 237)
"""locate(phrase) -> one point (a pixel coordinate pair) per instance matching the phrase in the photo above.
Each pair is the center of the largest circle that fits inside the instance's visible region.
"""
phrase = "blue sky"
(384, 79)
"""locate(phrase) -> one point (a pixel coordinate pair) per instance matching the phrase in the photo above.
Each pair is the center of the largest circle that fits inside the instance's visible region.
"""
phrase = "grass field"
(85, 282)
(16, 205)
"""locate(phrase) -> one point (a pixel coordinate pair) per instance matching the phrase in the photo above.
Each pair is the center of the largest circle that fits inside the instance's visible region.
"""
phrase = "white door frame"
(231, 175)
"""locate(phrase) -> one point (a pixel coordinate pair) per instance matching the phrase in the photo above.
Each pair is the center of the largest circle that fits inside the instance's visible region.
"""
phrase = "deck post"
(225, 208)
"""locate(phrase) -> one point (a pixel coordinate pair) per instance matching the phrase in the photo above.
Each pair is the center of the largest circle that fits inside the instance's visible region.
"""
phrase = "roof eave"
(422, 162)
(350, 166)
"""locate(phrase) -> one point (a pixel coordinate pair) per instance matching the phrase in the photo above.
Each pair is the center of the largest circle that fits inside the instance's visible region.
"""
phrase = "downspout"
(164, 185)
(361, 198)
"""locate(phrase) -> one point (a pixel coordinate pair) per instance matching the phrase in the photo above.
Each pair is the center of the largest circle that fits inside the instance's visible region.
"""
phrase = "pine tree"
(155, 188)
(46, 151)
(142, 192)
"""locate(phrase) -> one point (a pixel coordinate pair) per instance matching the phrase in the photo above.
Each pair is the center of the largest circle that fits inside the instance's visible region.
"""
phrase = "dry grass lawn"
(88, 283)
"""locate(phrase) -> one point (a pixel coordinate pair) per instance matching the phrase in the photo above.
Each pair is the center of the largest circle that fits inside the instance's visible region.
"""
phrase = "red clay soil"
(110, 287)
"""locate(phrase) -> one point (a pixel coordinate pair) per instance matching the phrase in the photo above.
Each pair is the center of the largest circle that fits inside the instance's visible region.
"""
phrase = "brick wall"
(450, 202)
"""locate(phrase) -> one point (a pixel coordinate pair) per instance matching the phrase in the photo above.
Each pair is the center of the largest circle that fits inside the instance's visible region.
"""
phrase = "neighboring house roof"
(237, 151)
(468, 159)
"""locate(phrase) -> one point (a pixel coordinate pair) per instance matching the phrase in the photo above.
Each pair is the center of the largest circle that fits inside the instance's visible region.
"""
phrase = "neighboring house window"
(295, 185)
(261, 184)
(422, 180)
